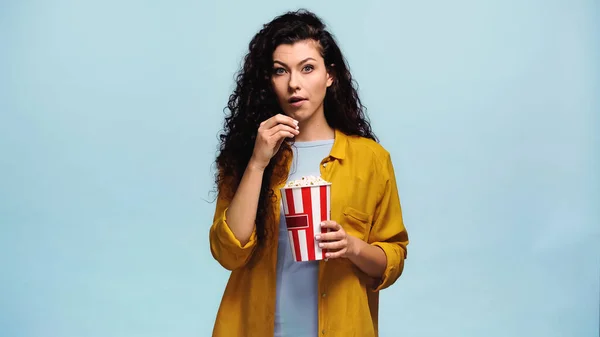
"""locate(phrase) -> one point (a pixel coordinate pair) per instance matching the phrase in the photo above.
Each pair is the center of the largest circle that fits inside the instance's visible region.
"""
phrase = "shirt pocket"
(356, 223)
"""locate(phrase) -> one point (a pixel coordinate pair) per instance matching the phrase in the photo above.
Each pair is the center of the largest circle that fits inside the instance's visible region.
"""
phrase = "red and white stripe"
(304, 209)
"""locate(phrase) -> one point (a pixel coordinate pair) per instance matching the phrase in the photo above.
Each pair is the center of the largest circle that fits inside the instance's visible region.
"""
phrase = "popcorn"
(307, 181)
(306, 202)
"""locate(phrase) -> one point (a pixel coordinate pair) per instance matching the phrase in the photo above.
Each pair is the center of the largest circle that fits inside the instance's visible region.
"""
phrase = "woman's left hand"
(337, 242)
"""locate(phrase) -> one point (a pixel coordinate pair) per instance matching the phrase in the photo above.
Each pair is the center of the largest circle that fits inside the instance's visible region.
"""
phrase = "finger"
(331, 236)
(280, 136)
(333, 246)
(287, 120)
(335, 255)
(282, 127)
(280, 119)
(330, 224)
(332, 228)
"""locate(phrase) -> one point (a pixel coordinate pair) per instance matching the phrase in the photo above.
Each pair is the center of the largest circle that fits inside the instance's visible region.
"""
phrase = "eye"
(308, 68)
(278, 71)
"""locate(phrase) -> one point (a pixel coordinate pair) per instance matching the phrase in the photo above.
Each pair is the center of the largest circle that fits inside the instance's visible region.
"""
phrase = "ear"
(330, 75)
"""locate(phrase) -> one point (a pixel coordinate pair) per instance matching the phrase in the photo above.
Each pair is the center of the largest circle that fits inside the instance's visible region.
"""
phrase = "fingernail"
(320, 245)
(327, 254)
(318, 237)
(322, 223)
(296, 122)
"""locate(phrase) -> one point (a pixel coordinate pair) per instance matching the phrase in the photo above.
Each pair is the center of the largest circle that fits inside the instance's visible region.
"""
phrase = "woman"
(295, 113)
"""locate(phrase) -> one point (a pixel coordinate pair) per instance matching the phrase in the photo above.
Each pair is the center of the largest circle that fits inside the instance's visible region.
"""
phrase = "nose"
(294, 82)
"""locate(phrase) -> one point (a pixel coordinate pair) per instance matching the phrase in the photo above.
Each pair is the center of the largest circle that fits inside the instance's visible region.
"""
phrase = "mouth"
(296, 101)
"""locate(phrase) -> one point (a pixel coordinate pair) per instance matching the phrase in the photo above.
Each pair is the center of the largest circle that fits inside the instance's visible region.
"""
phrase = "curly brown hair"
(254, 101)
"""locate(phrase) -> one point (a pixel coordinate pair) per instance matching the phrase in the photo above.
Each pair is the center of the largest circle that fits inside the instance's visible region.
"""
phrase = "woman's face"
(300, 79)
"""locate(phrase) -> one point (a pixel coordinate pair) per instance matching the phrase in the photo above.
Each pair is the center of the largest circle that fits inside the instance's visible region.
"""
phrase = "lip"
(298, 103)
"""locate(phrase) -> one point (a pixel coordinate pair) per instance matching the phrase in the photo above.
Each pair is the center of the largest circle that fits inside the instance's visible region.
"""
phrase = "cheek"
(319, 87)
(277, 88)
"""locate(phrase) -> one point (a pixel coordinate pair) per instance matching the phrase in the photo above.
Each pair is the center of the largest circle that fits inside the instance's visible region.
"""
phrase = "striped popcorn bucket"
(304, 208)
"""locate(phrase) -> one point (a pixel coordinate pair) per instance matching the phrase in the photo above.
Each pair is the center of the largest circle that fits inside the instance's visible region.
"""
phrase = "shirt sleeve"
(388, 231)
(224, 246)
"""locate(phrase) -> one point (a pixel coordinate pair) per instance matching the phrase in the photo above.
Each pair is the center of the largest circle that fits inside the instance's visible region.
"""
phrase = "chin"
(300, 115)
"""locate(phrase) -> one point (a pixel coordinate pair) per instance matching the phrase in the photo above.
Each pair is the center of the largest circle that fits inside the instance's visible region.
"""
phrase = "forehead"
(294, 53)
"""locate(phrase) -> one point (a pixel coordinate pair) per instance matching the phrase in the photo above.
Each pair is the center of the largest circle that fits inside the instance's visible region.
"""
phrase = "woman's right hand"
(271, 133)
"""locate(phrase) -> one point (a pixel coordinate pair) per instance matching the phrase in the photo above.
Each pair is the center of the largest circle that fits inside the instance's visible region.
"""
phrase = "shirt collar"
(340, 143)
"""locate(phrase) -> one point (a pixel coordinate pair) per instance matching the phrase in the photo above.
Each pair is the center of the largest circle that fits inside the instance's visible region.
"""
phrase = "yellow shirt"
(364, 200)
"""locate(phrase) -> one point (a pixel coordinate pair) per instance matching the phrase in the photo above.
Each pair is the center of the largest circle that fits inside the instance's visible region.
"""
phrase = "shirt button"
(325, 165)
(323, 331)
(323, 295)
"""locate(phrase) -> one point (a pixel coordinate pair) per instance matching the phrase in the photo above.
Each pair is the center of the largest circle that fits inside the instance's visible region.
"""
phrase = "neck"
(315, 129)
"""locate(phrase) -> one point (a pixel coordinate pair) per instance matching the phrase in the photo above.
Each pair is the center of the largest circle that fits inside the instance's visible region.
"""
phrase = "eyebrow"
(302, 62)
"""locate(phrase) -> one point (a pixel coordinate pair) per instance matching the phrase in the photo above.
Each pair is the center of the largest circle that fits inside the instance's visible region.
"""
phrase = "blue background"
(109, 112)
